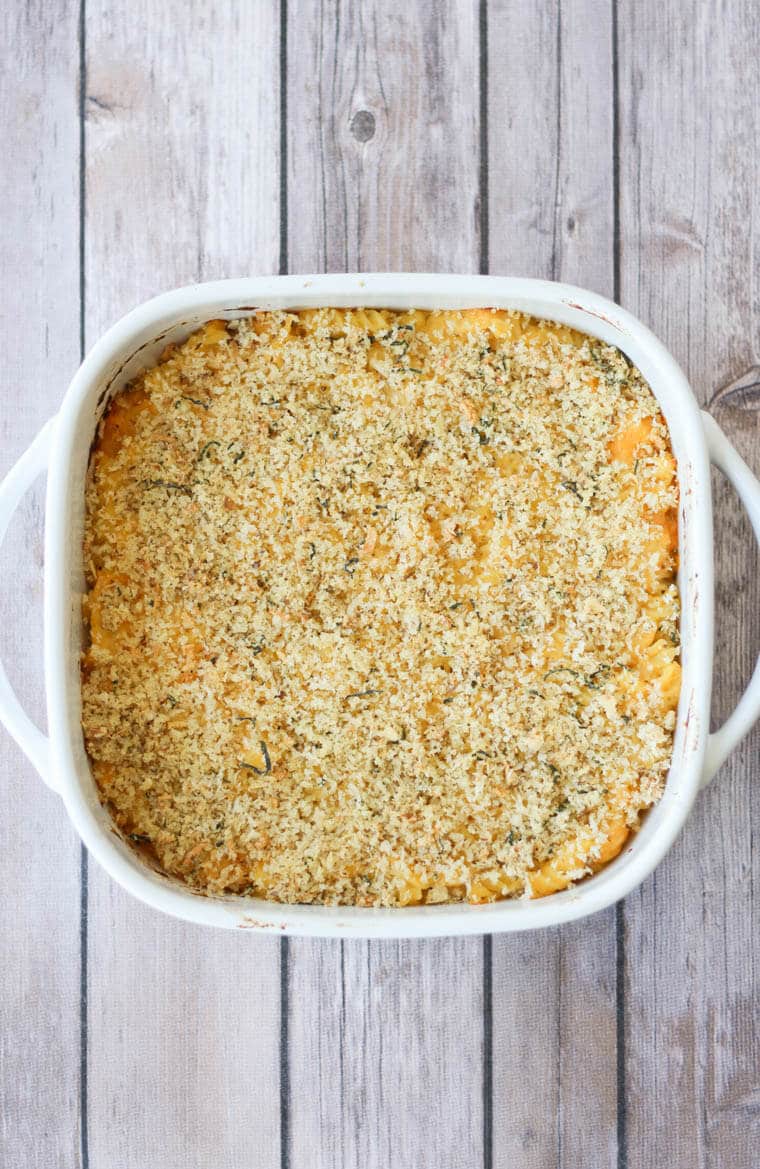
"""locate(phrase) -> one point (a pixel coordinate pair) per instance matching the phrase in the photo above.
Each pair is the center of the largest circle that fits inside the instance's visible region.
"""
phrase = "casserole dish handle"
(12, 490)
(736, 726)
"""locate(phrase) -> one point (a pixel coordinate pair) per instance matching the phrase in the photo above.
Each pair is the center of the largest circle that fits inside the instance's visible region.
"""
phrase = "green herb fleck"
(267, 768)
(598, 678)
(182, 488)
(207, 447)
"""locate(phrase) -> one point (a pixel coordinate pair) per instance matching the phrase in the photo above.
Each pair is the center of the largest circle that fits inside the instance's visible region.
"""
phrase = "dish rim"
(115, 358)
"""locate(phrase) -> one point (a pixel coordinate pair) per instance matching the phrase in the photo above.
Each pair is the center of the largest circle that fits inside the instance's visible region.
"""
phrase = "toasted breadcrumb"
(381, 606)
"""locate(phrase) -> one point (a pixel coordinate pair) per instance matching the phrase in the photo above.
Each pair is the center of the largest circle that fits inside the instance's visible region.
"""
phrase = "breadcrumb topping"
(381, 606)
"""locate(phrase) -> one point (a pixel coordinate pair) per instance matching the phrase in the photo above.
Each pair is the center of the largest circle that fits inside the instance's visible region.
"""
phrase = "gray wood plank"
(385, 1039)
(551, 207)
(39, 333)
(182, 184)
(385, 1054)
(690, 136)
(383, 136)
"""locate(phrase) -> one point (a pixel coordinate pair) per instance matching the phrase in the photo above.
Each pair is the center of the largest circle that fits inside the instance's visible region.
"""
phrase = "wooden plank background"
(613, 143)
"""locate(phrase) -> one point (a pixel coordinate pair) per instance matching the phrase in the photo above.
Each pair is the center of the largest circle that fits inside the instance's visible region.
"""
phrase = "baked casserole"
(382, 606)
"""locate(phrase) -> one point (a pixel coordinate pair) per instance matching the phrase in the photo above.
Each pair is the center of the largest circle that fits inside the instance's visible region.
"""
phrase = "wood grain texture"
(385, 1039)
(690, 135)
(551, 209)
(39, 334)
(385, 1054)
(181, 183)
(446, 1053)
(550, 133)
(383, 136)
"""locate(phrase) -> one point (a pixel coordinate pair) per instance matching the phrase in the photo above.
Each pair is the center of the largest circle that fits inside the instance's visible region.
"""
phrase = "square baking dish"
(63, 446)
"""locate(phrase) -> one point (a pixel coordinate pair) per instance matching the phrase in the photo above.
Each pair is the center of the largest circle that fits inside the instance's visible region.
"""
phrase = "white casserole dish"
(63, 445)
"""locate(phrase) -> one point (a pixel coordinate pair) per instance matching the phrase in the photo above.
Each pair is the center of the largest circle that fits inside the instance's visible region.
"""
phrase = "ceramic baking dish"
(62, 448)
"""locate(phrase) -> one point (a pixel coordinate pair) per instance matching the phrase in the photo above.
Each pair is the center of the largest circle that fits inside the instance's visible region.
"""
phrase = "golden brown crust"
(382, 606)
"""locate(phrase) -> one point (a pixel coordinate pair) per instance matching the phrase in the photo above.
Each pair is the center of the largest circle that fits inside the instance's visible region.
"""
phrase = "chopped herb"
(168, 485)
(561, 670)
(349, 565)
(267, 768)
(392, 333)
(139, 837)
(195, 401)
(361, 693)
(598, 678)
(207, 447)
(572, 487)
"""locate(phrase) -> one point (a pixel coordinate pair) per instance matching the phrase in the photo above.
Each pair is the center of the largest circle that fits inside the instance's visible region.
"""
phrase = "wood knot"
(741, 393)
(362, 125)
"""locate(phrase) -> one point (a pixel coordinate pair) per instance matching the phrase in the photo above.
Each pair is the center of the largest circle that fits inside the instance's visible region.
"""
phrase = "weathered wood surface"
(610, 145)
(689, 116)
(39, 335)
